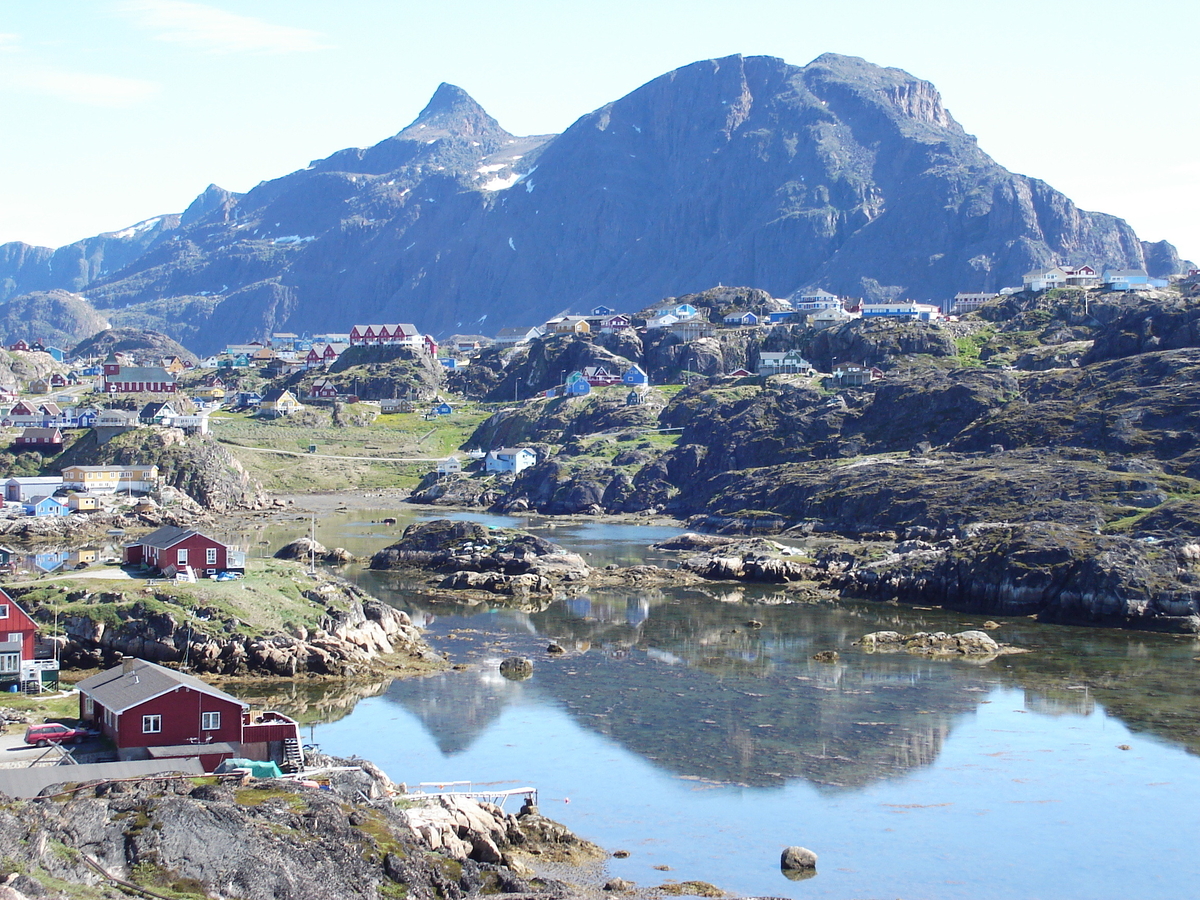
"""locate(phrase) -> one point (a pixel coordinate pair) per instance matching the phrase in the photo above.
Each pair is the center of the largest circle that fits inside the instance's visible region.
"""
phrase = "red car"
(54, 733)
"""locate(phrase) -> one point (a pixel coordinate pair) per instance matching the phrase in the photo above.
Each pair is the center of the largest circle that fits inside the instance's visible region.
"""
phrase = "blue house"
(603, 311)
(443, 409)
(741, 317)
(56, 353)
(635, 376)
(1131, 280)
(50, 560)
(578, 388)
(45, 506)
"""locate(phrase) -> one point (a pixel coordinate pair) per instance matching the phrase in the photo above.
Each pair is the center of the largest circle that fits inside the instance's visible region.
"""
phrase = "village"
(148, 717)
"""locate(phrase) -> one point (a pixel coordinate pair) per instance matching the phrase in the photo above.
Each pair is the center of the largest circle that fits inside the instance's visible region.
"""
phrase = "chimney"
(127, 665)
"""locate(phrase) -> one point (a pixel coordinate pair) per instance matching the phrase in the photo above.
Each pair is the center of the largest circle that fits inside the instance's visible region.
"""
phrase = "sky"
(114, 111)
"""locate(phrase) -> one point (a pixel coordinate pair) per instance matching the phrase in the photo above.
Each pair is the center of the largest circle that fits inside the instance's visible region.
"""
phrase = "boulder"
(798, 859)
(516, 668)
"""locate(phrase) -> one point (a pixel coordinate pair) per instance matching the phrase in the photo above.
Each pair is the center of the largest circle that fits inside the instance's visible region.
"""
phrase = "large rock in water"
(473, 556)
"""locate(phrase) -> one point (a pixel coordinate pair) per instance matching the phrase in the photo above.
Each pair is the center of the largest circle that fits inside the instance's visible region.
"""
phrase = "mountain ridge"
(741, 170)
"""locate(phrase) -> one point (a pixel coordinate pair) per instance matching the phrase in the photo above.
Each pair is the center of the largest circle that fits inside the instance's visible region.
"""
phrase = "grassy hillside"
(392, 451)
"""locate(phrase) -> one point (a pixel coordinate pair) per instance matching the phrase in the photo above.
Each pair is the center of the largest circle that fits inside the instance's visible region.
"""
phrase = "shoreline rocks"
(977, 645)
(472, 557)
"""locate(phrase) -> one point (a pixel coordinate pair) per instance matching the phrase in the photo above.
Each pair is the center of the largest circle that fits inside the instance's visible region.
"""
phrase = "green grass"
(374, 448)
(268, 600)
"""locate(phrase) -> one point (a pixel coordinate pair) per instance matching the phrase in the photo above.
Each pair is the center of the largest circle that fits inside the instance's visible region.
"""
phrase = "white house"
(451, 465)
(513, 337)
(509, 459)
(1045, 279)
(965, 301)
(903, 309)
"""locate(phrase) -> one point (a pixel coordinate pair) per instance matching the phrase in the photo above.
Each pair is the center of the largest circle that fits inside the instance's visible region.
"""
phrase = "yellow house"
(109, 479)
(211, 393)
(572, 325)
(82, 503)
(279, 402)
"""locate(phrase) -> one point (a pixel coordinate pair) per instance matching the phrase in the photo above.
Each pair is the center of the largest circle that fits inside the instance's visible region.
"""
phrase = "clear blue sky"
(118, 110)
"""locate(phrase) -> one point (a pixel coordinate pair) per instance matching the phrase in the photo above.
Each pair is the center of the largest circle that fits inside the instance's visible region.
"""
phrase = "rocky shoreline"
(361, 836)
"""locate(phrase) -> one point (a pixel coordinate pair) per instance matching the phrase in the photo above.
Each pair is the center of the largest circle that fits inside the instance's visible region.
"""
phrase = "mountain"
(743, 170)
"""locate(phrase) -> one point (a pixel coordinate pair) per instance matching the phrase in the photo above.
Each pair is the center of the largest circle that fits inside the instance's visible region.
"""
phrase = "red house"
(324, 389)
(148, 710)
(40, 439)
(179, 548)
(18, 630)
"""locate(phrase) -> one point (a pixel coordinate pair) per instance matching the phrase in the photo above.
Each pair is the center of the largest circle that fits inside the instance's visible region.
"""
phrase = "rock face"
(275, 838)
(194, 464)
(474, 557)
(1049, 570)
(741, 170)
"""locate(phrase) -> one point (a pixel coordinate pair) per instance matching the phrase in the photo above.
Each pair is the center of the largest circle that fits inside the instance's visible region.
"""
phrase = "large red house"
(150, 711)
(180, 548)
(17, 632)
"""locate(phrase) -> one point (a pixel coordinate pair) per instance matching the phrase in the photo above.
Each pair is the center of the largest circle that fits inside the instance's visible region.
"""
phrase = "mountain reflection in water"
(680, 679)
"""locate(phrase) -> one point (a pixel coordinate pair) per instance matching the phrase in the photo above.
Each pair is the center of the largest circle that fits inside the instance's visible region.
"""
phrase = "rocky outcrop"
(755, 560)
(195, 464)
(305, 549)
(274, 838)
(1048, 570)
(976, 645)
(357, 636)
(471, 556)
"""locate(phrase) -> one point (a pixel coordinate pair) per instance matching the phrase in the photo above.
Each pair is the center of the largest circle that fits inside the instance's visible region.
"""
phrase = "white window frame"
(210, 721)
(3, 610)
(151, 724)
(210, 556)
(181, 556)
(10, 663)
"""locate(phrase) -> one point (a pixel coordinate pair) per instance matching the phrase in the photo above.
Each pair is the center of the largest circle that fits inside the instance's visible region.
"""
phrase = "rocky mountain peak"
(452, 112)
(213, 198)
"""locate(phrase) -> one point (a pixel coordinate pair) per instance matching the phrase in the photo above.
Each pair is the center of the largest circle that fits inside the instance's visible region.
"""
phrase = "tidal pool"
(677, 730)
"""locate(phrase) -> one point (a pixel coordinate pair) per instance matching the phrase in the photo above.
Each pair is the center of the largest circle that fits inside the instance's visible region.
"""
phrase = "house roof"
(32, 780)
(168, 536)
(510, 451)
(276, 394)
(143, 373)
(118, 690)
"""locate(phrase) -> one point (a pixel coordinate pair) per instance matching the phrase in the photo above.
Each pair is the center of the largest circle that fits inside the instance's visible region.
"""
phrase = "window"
(210, 721)
(89, 705)
(210, 556)
(10, 663)
(151, 724)
(3, 610)
(181, 557)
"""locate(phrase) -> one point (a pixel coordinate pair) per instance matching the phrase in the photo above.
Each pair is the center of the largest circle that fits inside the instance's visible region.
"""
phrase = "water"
(676, 731)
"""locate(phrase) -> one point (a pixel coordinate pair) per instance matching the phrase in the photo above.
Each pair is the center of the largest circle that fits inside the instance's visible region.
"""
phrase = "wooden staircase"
(293, 756)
